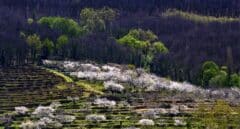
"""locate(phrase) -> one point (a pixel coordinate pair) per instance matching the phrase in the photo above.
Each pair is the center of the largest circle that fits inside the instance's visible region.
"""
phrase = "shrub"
(104, 102)
(55, 105)
(146, 122)
(65, 118)
(29, 125)
(21, 110)
(95, 118)
(112, 86)
(179, 122)
(42, 111)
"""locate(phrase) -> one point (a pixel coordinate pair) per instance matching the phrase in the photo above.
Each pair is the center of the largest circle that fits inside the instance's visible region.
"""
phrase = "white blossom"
(21, 110)
(55, 105)
(112, 86)
(104, 102)
(29, 125)
(145, 122)
(90, 67)
(65, 118)
(95, 118)
(43, 111)
(179, 122)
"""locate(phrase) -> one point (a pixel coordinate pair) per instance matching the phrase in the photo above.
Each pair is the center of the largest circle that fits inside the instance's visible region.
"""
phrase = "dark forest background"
(189, 43)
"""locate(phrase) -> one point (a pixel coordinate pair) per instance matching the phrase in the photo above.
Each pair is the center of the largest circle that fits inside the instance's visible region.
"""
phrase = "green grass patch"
(57, 73)
(91, 87)
(61, 87)
(198, 18)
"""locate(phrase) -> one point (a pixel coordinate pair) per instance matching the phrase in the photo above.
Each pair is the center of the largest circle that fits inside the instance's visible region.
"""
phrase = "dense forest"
(189, 42)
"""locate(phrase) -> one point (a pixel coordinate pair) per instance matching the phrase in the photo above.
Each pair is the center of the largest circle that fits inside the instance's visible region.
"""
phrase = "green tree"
(219, 80)
(209, 70)
(49, 45)
(35, 44)
(61, 41)
(235, 80)
(92, 19)
(66, 25)
(144, 42)
(159, 47)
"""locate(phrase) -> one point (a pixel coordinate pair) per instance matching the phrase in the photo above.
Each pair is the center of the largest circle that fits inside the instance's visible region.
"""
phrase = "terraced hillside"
(26, 86)
(87, 104)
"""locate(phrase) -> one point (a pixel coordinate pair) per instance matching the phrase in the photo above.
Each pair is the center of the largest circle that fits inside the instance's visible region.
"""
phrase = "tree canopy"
(145, 42)
(66, 26)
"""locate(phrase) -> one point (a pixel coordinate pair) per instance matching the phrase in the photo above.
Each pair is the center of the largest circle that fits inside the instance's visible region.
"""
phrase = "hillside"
(119, 64)
(169, 105)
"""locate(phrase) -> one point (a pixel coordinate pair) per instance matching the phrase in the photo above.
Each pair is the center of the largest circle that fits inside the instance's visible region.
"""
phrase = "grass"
(62, 87)
(57, 73)
(198, 18)
(91, 87)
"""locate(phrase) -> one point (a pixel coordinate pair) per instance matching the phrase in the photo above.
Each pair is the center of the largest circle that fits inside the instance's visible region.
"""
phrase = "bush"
(29, 125)
(112, 86)
(65, 25)
(65, 118)
(42, 111)
(21, 110)
(95, 118)
(146, 122)
(104, 102)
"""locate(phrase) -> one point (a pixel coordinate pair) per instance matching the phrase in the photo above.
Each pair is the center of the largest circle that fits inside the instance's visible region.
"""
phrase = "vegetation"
(66, 78)
(64, 25)
(144, 42)
(198, 18)
(212, 75)
(218, 116)
(93, 20)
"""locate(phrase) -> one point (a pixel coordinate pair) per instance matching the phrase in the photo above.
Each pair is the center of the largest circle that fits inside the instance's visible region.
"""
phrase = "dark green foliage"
(49, 45)
(209, 70)
(212, 75)
(235, 80)
(92, 19)
(61, 41)
(65, 25)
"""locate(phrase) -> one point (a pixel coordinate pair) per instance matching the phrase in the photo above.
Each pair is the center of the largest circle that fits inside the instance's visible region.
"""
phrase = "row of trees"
(215, 76)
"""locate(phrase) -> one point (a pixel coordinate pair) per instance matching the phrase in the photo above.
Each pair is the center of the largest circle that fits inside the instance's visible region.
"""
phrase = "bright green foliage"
(49, 45)
(132, 42)
(65, 25)
(144, 42)
(159, 47)
(92, 19)
(61, 41)
(34, 41)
